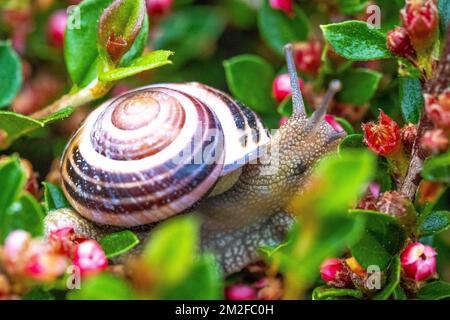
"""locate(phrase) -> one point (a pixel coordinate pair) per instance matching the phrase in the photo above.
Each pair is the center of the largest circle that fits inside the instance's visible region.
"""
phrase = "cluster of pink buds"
(283, 5)
(23, 257)
(420, 23)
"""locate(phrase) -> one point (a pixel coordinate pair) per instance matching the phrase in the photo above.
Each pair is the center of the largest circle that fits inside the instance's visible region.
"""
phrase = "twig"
(95, 90)
(436, 85)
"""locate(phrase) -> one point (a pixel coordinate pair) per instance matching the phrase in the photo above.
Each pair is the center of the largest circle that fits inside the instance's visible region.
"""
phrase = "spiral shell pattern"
(154, 152)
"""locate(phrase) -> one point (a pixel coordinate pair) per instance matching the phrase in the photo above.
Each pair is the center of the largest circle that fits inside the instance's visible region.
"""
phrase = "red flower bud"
(281, 87)
(158, 7)
(418, 261)
(240, 292)
(308, 56)
(56, 28)
(408, 135)
(283, 5)
(383, 137)
(399, 43)
(434, 141)
(90, 257)
(333, 123)
(334, 272)
(438, 109)
(420, 19)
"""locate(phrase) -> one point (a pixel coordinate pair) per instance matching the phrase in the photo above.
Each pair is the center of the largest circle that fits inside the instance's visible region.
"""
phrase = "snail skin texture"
(122, 168)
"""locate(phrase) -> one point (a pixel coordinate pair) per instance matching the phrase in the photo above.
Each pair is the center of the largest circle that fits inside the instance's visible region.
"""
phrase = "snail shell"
(154, 152)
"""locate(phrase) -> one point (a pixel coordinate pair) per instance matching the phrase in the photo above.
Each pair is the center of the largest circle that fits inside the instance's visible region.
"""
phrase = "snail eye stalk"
(317, 116)
(297, 99)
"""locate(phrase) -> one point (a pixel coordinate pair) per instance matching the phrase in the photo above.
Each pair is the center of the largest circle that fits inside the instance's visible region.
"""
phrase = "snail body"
(167, 149)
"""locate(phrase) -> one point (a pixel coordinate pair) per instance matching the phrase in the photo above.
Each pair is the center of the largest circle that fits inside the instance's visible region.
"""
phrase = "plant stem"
(95, 90)
(434, 86)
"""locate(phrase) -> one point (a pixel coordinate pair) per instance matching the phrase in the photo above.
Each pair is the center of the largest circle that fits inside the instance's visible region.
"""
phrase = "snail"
(167, 149)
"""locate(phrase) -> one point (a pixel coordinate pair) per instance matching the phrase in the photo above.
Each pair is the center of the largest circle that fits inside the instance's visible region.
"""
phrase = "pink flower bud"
(283, 5)
(434, 141)
(90, 257)
(333, 123)
(382, 137)
(64, 241)
(158, 7)
(418, 261)
(420, 18)
(15, 244)
(399, 43)
(334, 272)
(308, 57)
(281, 87)
(46, 266)
(438, 109)
(56, 28)
(408, 135)
(240, 292)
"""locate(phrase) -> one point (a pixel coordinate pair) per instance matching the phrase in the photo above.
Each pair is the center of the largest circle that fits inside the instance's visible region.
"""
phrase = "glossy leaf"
(382, 240)
(437, 168)
(411, 98)
(249, 79)
(354, 40)
(103, 287)
(10, 74)
(358, 85)
(150, 61)
(17, 125)
(12, 182)
(24, 214)
(277, 28)
(326, 293)
(54, 197)
(435, 290)
(117, 243)
(434, 222)
(171, 249)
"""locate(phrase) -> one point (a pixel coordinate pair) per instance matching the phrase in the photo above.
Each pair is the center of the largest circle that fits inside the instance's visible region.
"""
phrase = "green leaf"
(437, 168)
(103, 287)
(392, 282)
(204, 282)
(327, 293)
(171, 249)
(285, 107)
(354, 40)
(338, 191)
(152, 60)
(381, 241)
(38, 293)
(190, 32)
(411, 98)
(249, 79)
(434, 222)
(12, 182)
(10, 73)
(345, 124)
(435, 290)
(358, 85)
(17, 125)
(117, 243)
(278, 29)
(444, 12)
(24, 214)
(352, 142)
(352, 6)
(80, 44)
(54, 197)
